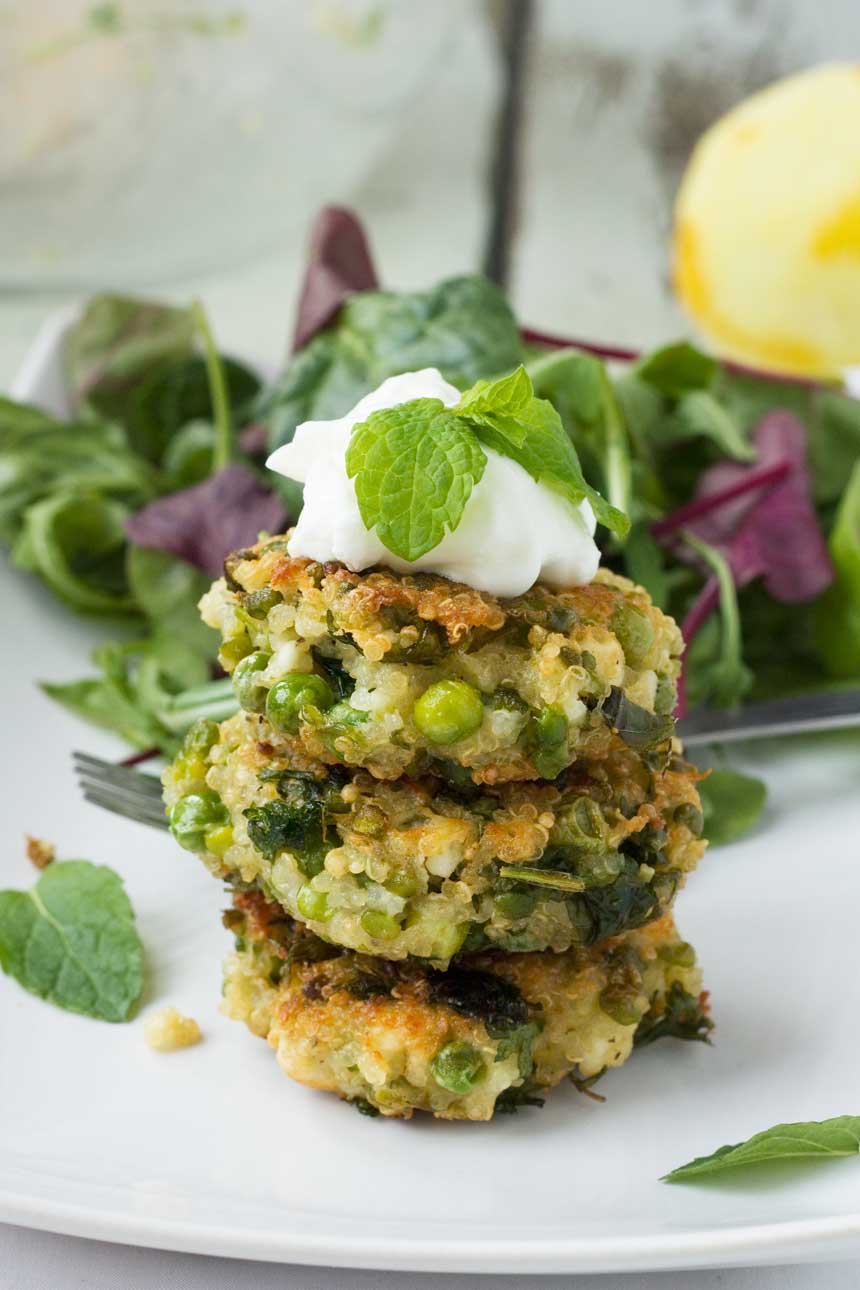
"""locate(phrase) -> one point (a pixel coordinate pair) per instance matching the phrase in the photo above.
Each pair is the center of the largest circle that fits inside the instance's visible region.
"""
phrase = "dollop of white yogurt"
(512, 533)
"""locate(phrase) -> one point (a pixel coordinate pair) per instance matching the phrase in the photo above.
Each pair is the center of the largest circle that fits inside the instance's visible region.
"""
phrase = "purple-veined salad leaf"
(204, 523)
(772, 534)
(339, 263)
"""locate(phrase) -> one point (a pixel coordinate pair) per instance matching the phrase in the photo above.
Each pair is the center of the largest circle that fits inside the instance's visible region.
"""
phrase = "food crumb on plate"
(167, 1030)
(40, 852)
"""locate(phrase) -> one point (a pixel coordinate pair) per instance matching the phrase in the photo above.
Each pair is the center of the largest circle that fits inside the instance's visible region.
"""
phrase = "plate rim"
(792, 1241)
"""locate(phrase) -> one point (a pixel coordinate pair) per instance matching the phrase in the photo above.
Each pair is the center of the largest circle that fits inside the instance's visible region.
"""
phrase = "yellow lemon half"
(767, 226)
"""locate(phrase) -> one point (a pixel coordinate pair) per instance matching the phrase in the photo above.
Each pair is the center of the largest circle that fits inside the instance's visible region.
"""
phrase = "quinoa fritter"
(487, 1035)
(418, 868)
(410, 674)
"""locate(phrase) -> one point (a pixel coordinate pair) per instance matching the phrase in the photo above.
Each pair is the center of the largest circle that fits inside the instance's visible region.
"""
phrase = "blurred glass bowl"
(144, 139)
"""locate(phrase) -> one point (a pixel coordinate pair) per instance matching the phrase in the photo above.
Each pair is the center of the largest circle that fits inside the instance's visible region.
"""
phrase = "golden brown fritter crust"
(380, 1033)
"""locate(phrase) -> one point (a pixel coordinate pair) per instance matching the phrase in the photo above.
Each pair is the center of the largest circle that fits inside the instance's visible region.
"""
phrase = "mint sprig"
(805, 1140)
(71, 939)
(415, 465)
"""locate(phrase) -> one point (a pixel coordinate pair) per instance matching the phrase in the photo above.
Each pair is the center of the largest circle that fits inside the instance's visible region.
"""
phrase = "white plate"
(213, 1150)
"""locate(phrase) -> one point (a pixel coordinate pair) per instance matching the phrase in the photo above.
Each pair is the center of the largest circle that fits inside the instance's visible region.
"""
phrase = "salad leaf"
(731, 804)
(414, 467)
(204, 523)
(699, 414)
(805, 1140)
(775, 536)
(339, 264)
(76, 542)
(167, 591)
(71, 939)
(728, 678)
(464, 327)
(40, 455)
(579, 388)
(175, 394)
(118, 341)
(677, 368)
(837, 625)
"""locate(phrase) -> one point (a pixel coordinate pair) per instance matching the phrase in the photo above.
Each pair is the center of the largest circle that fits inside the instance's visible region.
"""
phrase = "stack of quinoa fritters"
(454, 827)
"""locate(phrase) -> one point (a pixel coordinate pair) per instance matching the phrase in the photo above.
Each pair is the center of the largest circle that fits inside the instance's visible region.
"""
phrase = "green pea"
(258, 603)
(402, 884)
(294, 695)
(382, 927)
(681, 955)
(550, 729)
(634, 631)
(219, 839)
(199, 738)
(194, 815)
(370, 821)
(247, 685)
(514, 904)
(620, 1007)
(448, 711)
(313, 905)
(691, 817)
(458, 1067)
(665, 696)
(547, 735)
(235, 649)
(448, 940)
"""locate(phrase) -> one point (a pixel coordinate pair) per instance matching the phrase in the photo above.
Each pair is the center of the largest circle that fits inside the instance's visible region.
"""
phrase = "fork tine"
(128, 809)
(142, 801)
(105, 772)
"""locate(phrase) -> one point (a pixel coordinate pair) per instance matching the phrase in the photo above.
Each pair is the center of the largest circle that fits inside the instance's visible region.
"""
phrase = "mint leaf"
(508, 418)
(810, 1140)
(414, 467)
(71, 940)
(507, 405)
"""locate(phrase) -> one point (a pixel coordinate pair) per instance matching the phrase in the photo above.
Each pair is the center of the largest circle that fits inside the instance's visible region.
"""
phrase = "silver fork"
(131, 793)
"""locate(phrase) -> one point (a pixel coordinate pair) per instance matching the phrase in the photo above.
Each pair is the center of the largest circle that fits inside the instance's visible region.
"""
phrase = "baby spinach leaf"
(71, 939)
(837, 624)
(464, 327)
(675, 369)
(119, 341)
(177, 393)
(76, 542)
(731, 804)
(414, 467)
(805, 1140)
(40, 455)
(699, 413)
